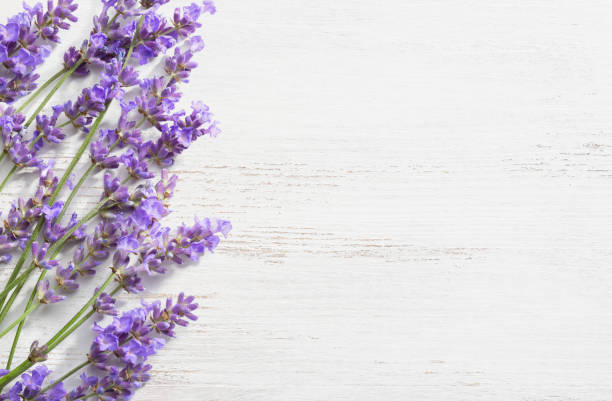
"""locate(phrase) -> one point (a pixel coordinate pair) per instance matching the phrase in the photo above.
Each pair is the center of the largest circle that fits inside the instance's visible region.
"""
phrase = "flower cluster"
(155, 101)
(25, 42)
(24, 214)
(132, 231)
(124, 230)
(119, 352)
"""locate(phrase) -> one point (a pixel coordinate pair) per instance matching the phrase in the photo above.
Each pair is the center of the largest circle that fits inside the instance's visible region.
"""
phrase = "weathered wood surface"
(420, 193)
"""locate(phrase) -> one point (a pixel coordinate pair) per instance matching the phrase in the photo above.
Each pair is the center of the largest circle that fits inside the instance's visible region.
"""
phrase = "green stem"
(41, 106)
(21, 318)
(8, 177)
(53, 251)
(79, 153)
(28, 309)
(44, 86)
(77, 368)
(78, 185)
(131, 49)
(55, 195)
(57, 246)
(16, 281)
(63, 180)
(22, 258)
(59, 337)
(65, 76)
(10, 301)
(25, 314)
(64, 377)
(71, 326)
(67, 123)
(142, 120)
(64, 332)
(23, 366)
(75, 190)
(88, 217)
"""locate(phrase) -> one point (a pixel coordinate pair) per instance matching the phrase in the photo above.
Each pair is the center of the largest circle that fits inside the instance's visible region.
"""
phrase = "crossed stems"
(80, 317)
(19, 283)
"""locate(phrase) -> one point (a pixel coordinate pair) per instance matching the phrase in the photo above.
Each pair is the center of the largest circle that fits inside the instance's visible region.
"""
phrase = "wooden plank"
(420, 197)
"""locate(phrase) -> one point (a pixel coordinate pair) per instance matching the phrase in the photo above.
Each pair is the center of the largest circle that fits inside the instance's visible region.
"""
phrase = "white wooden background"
(420, 193)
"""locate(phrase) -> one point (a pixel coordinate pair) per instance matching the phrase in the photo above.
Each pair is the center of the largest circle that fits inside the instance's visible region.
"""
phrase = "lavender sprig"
(110, 90)
(134, 229)
(25, 42)
(130, 229)
(119, 351)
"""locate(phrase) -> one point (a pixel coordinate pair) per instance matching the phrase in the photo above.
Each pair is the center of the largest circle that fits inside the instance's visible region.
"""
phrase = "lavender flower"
(29, 385)
(105, 304)
(100, 155)
(46, 295)
(25, 42)
(119, 352)
(131, 210)
(39, 252)
(66, 277)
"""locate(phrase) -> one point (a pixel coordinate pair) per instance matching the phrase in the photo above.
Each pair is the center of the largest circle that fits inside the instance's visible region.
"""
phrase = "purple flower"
(149, 210)
(47, 181)
(21, 62)
(45, 129)
(130, 227)
(179, 66)
(32, 382)
(9, 33)
(66, 277)
(105, 304)
(113, 189)
(38, 353)
(183, 307)
(25, 43)
(128, 77)
(196, 44)
(131, 352)
(46, 295)
(22, 156)
(209, 7)
(202, 235)
(135, 166)
(92, 101)
(39, 251)
(128, 243)
(119, 351)
(166, 185)
(51, 212)
(187, 23)
(100, 155)
(71, 57)
(97, 40)
(70, 181)
(106, 341)
(146, 4)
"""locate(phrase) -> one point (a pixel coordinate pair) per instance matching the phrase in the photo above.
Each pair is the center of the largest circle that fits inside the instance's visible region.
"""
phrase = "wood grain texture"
(420, 193)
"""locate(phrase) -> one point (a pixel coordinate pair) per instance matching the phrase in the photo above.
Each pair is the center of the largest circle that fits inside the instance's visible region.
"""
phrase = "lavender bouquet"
(125, 230)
